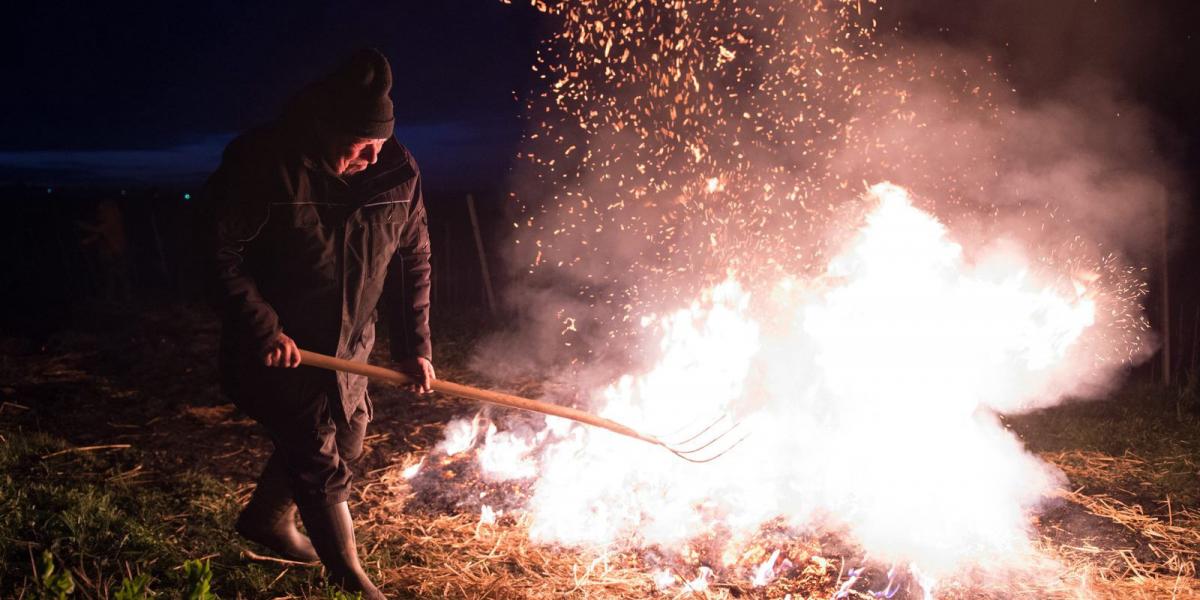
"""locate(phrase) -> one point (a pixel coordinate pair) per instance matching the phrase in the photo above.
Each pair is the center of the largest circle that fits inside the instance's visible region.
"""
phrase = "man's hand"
(282, 352)
(421, 370)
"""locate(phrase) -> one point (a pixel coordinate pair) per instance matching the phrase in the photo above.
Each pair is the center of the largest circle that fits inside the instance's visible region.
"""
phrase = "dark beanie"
(357, 101)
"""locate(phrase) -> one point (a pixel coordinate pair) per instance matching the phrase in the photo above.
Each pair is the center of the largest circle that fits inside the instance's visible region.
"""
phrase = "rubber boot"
(332, 533)
(270, 517)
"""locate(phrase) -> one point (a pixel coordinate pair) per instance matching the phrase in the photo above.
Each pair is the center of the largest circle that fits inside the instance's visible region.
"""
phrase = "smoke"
(697, 229)
(1082, 159)
(670, 146)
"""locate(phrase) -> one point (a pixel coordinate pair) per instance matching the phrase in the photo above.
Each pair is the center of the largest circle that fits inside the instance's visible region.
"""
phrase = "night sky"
(151, 91)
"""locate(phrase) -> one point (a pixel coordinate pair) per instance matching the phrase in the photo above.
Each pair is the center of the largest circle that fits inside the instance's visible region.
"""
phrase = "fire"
(764, 573)
(872, 392)
(687, 174)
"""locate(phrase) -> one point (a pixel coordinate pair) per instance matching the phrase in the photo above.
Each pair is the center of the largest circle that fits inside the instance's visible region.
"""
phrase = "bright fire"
(686, 189)
(872, 392)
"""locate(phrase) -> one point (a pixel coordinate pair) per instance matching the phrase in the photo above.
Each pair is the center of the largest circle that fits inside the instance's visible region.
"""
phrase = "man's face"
(350, 155)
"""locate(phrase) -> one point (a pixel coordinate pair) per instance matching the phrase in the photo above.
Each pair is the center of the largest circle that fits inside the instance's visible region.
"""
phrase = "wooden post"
(158, 246)
(487, 278)
(1166, 294)
(1195, 335)
(448, 266)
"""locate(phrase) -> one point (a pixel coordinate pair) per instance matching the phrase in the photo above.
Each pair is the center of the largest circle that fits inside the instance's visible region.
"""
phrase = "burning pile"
(692, 220)
(871, 395)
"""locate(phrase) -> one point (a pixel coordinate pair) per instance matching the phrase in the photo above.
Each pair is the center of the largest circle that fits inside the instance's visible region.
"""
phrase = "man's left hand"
(421, 370)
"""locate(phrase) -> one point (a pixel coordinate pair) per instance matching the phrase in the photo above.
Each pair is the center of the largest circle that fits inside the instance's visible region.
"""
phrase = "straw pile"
(1102, 548)
(1158, 554)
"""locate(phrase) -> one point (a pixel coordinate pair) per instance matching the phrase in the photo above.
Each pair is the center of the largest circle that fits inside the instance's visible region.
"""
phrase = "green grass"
(117, 536)
(1150, 424)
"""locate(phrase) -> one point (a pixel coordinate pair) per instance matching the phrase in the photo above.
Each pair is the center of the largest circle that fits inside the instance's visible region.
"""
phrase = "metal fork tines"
(713, 440)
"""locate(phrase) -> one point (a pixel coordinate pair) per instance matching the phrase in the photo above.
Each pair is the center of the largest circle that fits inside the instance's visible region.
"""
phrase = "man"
(308, 224)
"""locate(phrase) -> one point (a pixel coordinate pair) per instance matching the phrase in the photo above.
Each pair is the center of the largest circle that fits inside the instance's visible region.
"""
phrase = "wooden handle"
(314, 359)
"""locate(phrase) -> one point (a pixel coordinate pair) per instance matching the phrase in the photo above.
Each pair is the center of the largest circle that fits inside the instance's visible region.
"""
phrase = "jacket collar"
(392, 170)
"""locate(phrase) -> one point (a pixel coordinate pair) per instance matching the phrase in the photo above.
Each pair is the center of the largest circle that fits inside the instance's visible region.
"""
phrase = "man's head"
(348, 154)
(356, 118)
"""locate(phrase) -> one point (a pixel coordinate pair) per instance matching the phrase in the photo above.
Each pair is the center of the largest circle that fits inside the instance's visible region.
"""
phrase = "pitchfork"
(700, 442)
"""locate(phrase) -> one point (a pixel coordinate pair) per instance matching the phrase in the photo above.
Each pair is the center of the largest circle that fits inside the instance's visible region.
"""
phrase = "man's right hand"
(281, 352)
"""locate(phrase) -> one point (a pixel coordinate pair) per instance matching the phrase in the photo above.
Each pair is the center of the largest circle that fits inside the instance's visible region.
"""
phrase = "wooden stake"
(1166, 295)
(1195, 334)
(448, 267)
(487, 278)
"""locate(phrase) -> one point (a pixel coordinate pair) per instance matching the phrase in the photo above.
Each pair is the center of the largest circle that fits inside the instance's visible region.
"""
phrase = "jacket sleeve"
(233, 211)
(406, 289)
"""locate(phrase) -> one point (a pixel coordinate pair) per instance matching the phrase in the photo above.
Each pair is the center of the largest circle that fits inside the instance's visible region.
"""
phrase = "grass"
(1145, 426)
(117, 535)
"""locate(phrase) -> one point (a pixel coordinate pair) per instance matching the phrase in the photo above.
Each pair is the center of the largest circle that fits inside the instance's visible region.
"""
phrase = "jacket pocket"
(381, 226)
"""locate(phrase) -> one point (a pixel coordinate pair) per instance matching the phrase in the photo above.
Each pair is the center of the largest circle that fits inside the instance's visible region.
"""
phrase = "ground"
(120, 457)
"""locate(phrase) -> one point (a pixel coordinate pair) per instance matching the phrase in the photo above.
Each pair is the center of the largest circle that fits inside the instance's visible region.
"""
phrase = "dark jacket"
(291, 246)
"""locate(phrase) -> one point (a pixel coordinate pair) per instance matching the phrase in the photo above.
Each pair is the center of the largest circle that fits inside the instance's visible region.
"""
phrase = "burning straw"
(701, 231)
(462, 554)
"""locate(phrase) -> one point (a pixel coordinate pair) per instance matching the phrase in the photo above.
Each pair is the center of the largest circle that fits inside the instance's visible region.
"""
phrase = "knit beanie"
(357, 101)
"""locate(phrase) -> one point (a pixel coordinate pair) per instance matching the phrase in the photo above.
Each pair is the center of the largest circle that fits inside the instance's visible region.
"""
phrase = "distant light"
(187, 196)
(49, 190)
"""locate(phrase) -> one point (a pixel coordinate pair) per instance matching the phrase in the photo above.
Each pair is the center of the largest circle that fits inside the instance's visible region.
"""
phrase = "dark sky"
(152, 90)
(1148, 48)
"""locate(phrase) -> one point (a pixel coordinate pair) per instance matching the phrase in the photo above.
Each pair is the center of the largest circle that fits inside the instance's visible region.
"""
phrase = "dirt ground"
(121, 457)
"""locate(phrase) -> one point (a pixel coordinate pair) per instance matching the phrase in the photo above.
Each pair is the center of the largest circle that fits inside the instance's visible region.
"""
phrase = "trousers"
(314, 442)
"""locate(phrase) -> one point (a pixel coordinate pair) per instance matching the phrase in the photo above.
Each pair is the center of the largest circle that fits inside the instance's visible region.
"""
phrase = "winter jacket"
(292, 247)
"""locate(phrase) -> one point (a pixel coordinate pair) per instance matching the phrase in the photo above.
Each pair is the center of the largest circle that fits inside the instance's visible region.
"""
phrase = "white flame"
(663, 579)
(700, 583)
(460, 435)
(764, 573)
(412, 470)
(871, 391)
(506, 455)
(487, 515)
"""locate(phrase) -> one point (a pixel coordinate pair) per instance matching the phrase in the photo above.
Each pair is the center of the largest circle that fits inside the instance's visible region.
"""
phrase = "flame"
(413, 470)
(872, 392)
(507, 455)
(487, 515)
(663, 579)
(460, 435)
(487, 518)
(765, 572)
(700, 583)
(672, 142)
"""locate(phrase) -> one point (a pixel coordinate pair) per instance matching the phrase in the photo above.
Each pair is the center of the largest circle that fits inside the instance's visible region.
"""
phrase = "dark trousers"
(313, 444)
